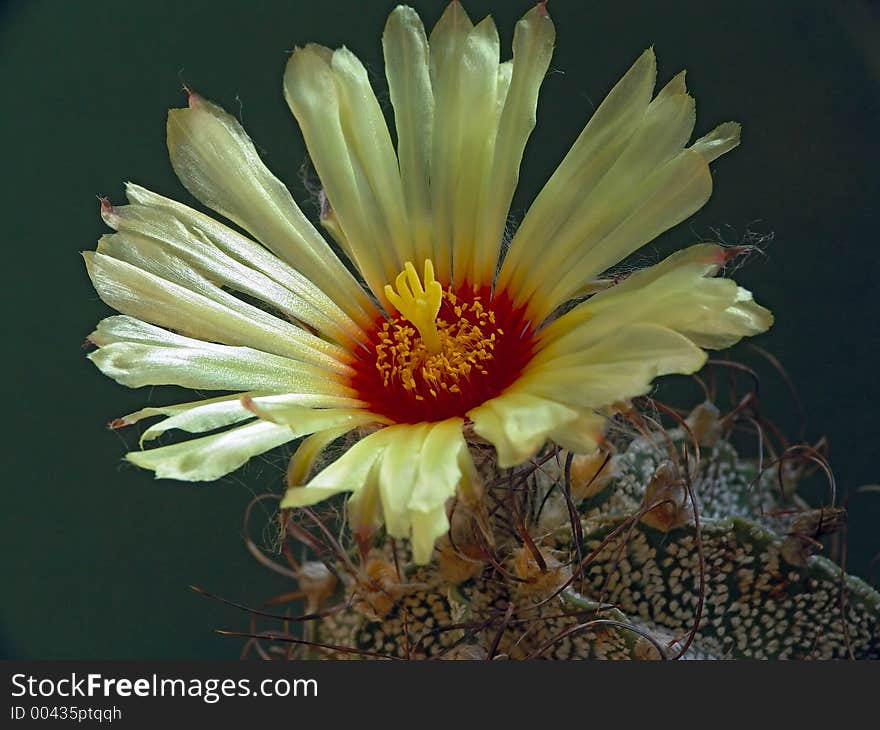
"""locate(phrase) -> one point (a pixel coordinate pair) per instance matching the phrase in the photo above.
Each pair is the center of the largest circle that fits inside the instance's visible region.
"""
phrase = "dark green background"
(96, 555)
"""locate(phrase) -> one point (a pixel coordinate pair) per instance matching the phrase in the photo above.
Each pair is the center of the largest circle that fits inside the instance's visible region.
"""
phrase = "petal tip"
(107, 211)
(192, 97)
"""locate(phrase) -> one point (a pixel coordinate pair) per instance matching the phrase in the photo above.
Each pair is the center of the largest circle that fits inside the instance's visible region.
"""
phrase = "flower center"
(443, 352)
(437, 354)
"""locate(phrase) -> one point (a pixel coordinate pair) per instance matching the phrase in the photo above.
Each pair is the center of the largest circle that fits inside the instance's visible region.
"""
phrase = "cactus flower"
(423, 326)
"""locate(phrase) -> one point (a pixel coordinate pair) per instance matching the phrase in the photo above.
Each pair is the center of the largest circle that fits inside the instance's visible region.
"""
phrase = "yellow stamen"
(420, 305)
(428, 353)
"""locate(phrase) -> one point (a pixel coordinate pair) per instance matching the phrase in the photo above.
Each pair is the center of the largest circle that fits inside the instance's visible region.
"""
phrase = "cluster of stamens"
(442, 352)
(467, 344)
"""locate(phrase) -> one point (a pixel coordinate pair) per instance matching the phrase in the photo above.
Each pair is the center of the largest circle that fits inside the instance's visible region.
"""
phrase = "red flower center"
(484, 344)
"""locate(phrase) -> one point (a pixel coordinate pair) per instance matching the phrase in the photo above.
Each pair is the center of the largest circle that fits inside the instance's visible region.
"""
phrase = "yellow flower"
(448, 333)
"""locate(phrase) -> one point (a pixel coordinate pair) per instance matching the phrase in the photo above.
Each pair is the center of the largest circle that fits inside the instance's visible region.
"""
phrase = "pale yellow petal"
(369, 140)
(470, 112)
(518, 423)
(642, 296)
(426, 528)
(662, 200)
(170, 293)
(619, 366)
(505, 76)
(676, 293)
(213, 413)
(136, 354)
(176, 409)
(122, 328)
(405, 49)
(397, 478)
(445, 468)
(518, 88)
(217, 162)
(627, 179)
(582, 435)
(605, 203)
(232, 368)
(719, 141)
(591, 156)
(309, 451)
(445, 464)
(195, 417)
(324, 90)
(303, 419)
(447, 42)
(211, 457)
(743, 318)
(364, 507)
(233, 261)
(401, 476)
(349, 473)
(200, 419)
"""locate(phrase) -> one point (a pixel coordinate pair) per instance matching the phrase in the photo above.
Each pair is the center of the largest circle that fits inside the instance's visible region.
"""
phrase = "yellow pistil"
(433, 355)
(420, 305)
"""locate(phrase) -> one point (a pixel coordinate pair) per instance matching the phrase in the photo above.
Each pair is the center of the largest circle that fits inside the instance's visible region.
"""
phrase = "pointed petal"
(310, 449)
(364, 507)
(426, 528)
(211, 457)
(518, 423)
(370, 142)
(718, 142)
(194, 417)
(349, 473)
(409, 83)
(170, 293)
(676, 293)
(397, 479)
(627, 179)
(619, 366)
(173, 410)
(582, 435)
(217, 162)
(401, 476)
(348, 141)
(136, 354)
(662, 200)
(469, 114)
(447, 42)
(445, 463)
(214, 413)
(591, 156)
(532, 49)
(303, 419)
(650, 186)
(230, 260)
